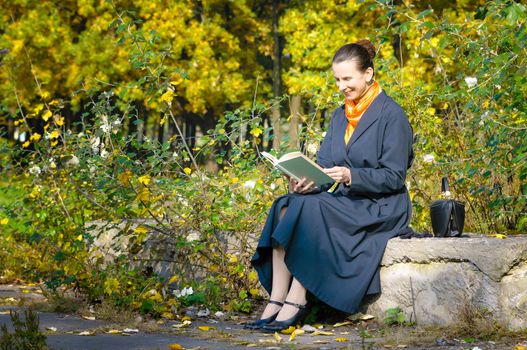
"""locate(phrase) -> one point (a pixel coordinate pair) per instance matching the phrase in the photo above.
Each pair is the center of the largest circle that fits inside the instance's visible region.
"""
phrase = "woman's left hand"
(339, 174)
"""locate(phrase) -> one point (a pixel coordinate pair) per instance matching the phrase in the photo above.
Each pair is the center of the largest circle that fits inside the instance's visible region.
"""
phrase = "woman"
(331, 243)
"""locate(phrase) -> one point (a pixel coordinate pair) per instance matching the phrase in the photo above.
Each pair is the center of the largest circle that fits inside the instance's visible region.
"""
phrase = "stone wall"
(432, 279)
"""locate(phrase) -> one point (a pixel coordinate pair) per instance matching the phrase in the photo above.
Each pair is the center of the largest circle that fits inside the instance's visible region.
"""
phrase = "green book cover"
(298, 166)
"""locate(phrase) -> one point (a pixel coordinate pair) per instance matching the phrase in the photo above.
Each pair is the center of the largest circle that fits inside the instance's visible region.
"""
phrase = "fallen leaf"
(405, 346)
(499, 235)
(252, 345)
(114, 331)
(186, 318)
(289, 330)
(86, 333)
(181, 325)
(344, 333)
(130, 330)
(340, 324)
(89, 318)
(25, 291)
(277, 337)
(295, 333)
(520, 347)
(367, 317)
(175, 346)
(317, 332)
(219, 314)
(320, 342)
(341, 339)
(53, 329)
(6, 312)
(205, 328)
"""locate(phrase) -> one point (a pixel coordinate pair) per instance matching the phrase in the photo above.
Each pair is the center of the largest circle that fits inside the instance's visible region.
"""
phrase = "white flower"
(498, 86)
(117, 122)
(93, 169)
(249, 184)
(219, 314)
(152, 292)
(104, 153)
(177, 293)
(273, 186)
(73, 161)
(95, 142)
(324, 134)
(311, 148)
(471, 81)
(106, 127)
(428, 158)
(193, 236)
(35, 170)
(22, 137)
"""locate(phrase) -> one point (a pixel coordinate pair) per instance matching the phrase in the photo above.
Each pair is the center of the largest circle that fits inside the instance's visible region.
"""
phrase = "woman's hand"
(300, 186)
(339, 174)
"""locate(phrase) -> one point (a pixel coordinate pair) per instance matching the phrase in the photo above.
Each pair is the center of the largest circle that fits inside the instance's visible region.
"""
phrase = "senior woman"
(331, 243)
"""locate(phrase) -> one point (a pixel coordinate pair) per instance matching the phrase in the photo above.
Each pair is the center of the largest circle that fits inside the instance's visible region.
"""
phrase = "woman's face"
(350, 80)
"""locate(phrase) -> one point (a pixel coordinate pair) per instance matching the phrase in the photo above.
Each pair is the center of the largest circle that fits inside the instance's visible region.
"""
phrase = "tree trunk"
(277, 79)
(295, 119)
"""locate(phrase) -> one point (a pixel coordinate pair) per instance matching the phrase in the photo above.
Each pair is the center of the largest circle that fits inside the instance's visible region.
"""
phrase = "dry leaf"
(320, 342)
(252, 345)
(175, 346)
(181, 325)
(114, 331)
(295, 333)
(205, 328)
(130, 330)
(500, 236)
(402, 346)
(344, 333)
(340, 324)
(277, 337)
(89, 318)
(86, 333)
(341, 339)
(289, 330)
(6, 312)
(186, 318)
(308, 328)
(520, 347)
(367, 317)
(317, 332)
(53, 329)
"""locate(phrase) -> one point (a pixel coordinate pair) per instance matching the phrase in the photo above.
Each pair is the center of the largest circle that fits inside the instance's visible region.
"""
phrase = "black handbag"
(448, 216)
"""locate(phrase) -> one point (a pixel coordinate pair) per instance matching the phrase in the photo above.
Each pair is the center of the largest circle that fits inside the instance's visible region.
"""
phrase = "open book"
(298, 166)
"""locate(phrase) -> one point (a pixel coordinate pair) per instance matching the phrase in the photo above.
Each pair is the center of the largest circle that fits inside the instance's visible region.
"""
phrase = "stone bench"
(433, 279)
(430, 279)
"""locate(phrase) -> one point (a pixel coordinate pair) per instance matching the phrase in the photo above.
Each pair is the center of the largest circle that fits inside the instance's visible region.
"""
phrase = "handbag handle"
(445, 189)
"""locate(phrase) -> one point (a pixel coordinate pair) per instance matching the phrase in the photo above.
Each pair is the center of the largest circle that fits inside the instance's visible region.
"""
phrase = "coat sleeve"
(324, 158)
(395, 158)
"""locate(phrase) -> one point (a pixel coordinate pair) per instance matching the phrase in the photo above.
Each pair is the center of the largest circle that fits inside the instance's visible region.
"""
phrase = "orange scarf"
(354, 111)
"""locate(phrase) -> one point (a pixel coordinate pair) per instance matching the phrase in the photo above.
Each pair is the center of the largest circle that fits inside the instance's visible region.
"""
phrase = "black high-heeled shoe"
(277, 326)
(263, 321)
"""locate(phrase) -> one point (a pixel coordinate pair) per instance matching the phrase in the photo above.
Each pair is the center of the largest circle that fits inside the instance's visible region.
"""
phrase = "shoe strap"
(276, 302)
(298, 306)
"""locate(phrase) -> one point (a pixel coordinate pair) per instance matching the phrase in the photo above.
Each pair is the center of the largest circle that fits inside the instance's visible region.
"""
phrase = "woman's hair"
(362, 51)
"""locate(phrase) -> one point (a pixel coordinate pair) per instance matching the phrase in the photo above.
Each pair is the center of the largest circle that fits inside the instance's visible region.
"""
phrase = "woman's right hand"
(300, 186)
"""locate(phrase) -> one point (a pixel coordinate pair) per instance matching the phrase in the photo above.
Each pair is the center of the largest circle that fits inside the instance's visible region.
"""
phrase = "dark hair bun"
(368, 46)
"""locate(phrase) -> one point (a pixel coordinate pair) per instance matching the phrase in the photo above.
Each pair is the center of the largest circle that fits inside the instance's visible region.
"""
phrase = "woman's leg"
(297, 295)
(281, 278)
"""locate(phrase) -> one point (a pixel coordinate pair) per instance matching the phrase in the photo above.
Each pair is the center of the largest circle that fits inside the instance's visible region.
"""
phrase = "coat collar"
(368, 118)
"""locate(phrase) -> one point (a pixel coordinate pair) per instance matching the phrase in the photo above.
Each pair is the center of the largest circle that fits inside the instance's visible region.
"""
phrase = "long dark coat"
(334, 242)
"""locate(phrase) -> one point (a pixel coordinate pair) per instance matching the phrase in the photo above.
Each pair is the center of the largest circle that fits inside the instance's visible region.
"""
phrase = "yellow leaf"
(256, 132)
(145, 180)
(4, 221)
(252, 276)
(124, 178)
(295, 333)
(79, 238)
(289, 330)
(322, 333)
(114, 331)
(499, 235)
(54, 134)
(35, 137)
(254, 291)
(173, 279)
(47, 114)
(520, 347)
(340, 324)
(277, 337)
(187, 171)
(141, 230)
(205, 328)
(341, 339)
(175, 346)
(167, 97)
(186, 318)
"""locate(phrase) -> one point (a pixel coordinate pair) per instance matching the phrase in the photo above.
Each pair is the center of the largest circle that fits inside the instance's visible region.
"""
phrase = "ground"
(86, 330)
